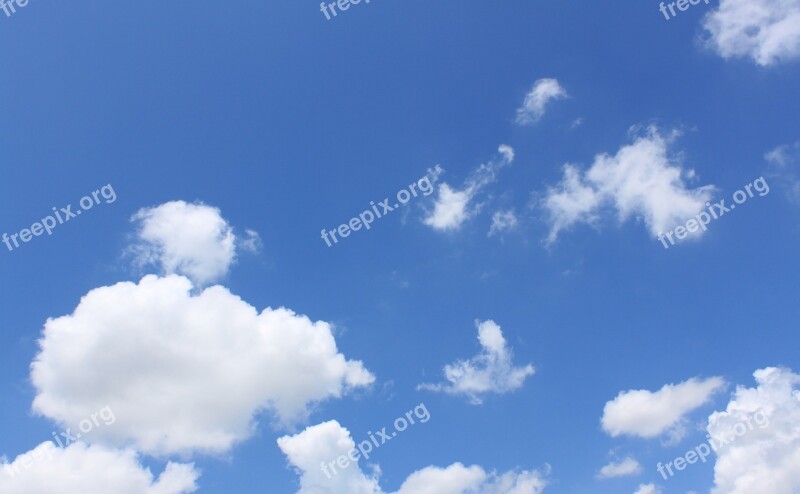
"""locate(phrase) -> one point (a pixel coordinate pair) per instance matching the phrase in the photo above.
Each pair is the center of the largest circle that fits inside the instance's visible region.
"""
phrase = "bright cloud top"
(322, 443)
(184, 372)
(491, 371)
(541, 94)
(764, 459)
(648, 489)
(189, 239)
(452, 206)
(641, 180)
(626, 467)
(768, 31)
(91, 469)
(649, 414)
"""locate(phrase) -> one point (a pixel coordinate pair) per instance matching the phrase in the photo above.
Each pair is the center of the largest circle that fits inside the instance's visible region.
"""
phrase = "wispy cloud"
(541, 94)
(641, 180)
(491, 371)
(453, 207)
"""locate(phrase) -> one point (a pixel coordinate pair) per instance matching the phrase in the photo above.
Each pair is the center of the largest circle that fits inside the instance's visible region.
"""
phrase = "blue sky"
(289, 123)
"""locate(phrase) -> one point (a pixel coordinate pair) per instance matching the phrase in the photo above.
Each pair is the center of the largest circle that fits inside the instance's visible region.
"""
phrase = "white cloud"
(189, 239)
(458, 479)
(326, 442)
(507, 152)
(452, 206)
(91, 470)
(537, 99)
(648, 489)
(503, 221)
(649, 414)
(641, 180)
(787, 154)
(768, 31)
(320, 443)
(766, 457)
(491, 371)
(784, 163)
(252, 243)
(181, 371)
(450, 209)
(626, 467)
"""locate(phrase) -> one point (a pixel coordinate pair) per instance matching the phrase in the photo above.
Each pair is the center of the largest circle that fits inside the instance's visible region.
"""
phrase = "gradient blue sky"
(290, 123)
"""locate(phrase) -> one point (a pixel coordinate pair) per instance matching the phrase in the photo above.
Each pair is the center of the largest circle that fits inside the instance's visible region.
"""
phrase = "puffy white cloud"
(626, 467)
(784, 166)
(454, 479)
(641, 180)
(648, 489)
(768, 31)
(503, 221)
(450, 209)
(458, 479)
(91, 470)
(325, 443)
(189, 239)
(649, 414)
(452, 206)
(184, 371)
(491, 371)
(766, 452)
(543, 92)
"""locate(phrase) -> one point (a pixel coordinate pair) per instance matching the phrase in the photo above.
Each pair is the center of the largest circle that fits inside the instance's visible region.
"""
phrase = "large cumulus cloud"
(184, 371)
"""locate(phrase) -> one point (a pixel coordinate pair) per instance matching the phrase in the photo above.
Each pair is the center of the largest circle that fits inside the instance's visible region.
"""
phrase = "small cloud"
(452, 207)
(648, 489)
(450, 210)
(252, 243)
(193, 240)
(649, 414)
(537, 99)
(491, 371)
(507, 152)
(785, 168)
(628, 466)
(503, 221)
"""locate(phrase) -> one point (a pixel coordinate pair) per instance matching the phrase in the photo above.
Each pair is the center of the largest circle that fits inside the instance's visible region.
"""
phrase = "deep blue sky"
(290, 123)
